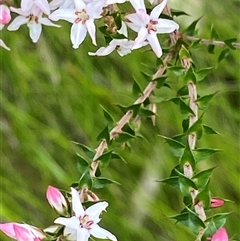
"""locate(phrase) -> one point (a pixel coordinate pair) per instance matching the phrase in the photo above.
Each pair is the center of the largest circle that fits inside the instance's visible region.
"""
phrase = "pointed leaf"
(204, 197)
(136, 90)
(214, 33)
(107, 116)
(85, 180)
(82, 164)
(211, 48)
(223, 55)
(176, 146)
(178, 13)
(187, 158)
(229, 42)
(87, 150)
(202, 178)
(101, 182)
(177, 70)
(209, 130)
(116, 156)
(105, 158)
(190, 30)
(202, 73)
(160, 81)
(196, 126)
(203, 101)
(123, 137)
(172, 181)
(104, 134)
(203, 153)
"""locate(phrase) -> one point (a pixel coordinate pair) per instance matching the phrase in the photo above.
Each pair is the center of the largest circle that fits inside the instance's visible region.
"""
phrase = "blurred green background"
(51, 95)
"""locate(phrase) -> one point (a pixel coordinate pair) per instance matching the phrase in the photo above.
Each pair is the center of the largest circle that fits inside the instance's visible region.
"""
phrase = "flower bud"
(220, 235)
(5, 15)
(56, 200)
(216, 202)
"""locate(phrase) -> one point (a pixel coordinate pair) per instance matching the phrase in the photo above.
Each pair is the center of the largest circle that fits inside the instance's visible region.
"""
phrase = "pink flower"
(22, 232)
(216, 202)
(5, 15)
(220, 235)
(56, 200)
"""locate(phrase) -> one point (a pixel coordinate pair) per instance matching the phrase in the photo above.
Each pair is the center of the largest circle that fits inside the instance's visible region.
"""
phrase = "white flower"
(82, 17)
(34, 20)
(148, 26)
(26, 5)
(84, 222)
(122, 46)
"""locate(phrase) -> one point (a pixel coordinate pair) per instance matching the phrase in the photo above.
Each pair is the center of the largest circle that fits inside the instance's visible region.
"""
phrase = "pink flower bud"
(22, 232)
(220, 235)
(5, 15)
(216, 202)
(56, 200)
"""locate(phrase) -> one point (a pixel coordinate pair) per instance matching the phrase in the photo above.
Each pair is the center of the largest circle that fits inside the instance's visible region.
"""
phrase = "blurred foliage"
(51, 95)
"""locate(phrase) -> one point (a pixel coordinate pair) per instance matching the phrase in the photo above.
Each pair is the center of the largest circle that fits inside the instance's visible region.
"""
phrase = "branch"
(125, 119)
(210, 42)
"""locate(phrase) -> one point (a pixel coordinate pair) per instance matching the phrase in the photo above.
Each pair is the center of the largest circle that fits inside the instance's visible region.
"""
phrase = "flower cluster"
(82, 14)
(75, 223)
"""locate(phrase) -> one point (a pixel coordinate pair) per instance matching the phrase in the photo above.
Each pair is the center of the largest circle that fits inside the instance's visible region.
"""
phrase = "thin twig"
(209, 41)
(125, 119)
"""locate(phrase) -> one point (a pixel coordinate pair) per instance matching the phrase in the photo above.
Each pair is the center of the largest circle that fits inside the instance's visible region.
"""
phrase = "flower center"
(82, 16)
(85, 222)
(33, 18)
(152, 25)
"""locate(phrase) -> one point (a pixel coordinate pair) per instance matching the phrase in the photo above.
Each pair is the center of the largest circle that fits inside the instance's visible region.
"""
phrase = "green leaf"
(190, 30)
(209, 130)
(145, 112)
(190, 76)
(101, 182)
(214, 33)
(177, 70)
(187, 158)
(195, 44)
(184, 108)
(190, 219)
(196, 126)
(87, 150)
(172, 181)
(107, 116)
(147, 76)
(85, 180)
(105, 158)
(82, 164)
(183, 91)
(211, 48)
(176, 146)
(203, 101)
(185, 184)
(185, 125)
(123, 137)
(203, 153)
(136, 90)
(104, 134)
(229, 42)
(160, 81)
(223, 55)
(117, 156)
(214, 223)
(202, 73)
(184, 53)
(178, 13)
(135, 108)
(204, 197)
(202, 178)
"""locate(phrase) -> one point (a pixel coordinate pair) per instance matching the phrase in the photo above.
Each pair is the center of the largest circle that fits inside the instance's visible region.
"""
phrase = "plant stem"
(210, 42)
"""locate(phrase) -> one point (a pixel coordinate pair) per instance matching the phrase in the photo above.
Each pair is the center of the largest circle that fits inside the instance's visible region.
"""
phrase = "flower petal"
(153, 41)
(66, 14)
(142, 35)
(220, 235)
(79, 4)
(43, 5)
(83, 234)
(95, 210)
(103, 51)
(23, 234)
(158, 9)
(7, 228)
(46, 21)
(101, 233)
(26, 5)
(91, 30)
(166, 26)
(35, 30)
(72, 222)
(16, 23)
(76, 204)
